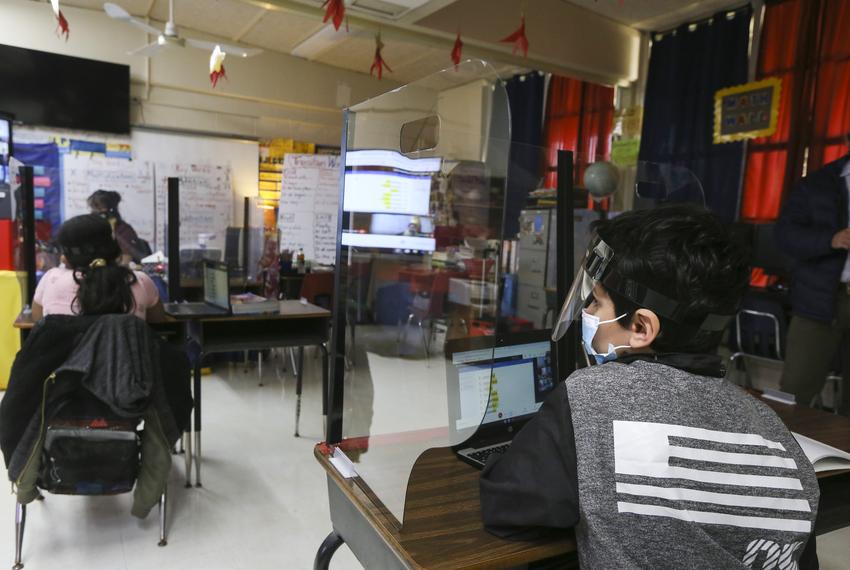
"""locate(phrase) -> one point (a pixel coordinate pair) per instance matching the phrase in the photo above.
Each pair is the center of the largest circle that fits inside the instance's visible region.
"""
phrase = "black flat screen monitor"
(41, 88)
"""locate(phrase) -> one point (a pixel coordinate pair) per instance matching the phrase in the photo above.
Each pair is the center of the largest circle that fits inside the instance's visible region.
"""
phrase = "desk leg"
(325, 381)
(299, 382)
(327, 550)
(197, 450)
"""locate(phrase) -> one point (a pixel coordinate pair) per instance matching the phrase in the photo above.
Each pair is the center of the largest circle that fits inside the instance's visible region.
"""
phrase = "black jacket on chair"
(814, 212)
(118, 360)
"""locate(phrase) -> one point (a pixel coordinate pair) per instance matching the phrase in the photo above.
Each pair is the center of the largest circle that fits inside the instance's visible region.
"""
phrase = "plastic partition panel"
(421, 231)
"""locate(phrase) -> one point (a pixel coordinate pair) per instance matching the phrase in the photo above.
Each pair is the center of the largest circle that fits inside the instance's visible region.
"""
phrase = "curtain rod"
(660, 34)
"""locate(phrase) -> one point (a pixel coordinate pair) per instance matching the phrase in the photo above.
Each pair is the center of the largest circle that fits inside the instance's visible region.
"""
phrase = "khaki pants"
(811, 351)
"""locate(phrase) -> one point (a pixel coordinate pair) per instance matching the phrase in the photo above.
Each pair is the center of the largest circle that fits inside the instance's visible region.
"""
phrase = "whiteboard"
(309, 205)
(206, 197)
(83, 174)
(242, 156)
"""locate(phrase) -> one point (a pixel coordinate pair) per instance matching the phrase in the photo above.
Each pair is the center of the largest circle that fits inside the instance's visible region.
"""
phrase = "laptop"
(522, 368)
(216, 283)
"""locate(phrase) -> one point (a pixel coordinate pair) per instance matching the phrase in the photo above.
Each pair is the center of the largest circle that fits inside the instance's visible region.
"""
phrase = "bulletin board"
(309, 205)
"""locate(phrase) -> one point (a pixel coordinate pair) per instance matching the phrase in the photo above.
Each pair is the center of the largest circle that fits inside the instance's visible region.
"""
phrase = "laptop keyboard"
(483, 455)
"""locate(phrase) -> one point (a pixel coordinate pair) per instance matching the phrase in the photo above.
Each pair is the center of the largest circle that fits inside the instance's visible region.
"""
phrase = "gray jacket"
(117, 360)
(656, 467)
(676, 469)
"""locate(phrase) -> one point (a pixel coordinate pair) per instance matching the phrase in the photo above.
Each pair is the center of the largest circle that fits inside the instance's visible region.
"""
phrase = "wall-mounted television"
(387, 197)
(48, 89)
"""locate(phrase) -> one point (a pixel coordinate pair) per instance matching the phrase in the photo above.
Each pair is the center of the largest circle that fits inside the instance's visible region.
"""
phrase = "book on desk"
(250, 304)
(823, 457)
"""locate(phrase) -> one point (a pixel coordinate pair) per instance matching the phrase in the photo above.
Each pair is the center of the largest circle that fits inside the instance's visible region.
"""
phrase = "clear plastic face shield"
(654, 184)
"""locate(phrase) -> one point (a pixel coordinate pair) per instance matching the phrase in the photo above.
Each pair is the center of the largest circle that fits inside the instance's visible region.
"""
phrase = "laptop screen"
(216, 285)
(510, 380)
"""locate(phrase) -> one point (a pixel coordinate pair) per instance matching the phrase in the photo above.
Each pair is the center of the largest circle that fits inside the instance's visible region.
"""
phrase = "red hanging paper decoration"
(61, 22)
(217, 66)
(457, 50)
(334, 9)
(379, 63)
(62, 26)
(518, 38)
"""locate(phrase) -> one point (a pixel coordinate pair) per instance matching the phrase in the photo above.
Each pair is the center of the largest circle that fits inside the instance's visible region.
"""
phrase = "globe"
(601, 180)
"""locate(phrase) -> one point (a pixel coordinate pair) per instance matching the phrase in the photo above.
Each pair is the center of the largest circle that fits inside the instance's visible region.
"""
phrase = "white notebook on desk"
(822, 456)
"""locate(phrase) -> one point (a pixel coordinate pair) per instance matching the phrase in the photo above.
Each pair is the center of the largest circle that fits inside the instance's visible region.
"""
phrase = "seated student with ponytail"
(91, 281)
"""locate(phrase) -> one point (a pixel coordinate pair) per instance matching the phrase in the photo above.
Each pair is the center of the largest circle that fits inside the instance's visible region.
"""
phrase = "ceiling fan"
(170, 37)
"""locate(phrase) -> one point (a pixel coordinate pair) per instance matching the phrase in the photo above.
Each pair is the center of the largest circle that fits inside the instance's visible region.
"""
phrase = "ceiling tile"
(224, 18)
(281, 31)
(134, 7)
(358, 52)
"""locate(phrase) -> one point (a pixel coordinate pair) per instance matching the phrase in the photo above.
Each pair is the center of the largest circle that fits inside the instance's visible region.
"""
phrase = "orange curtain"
(831, 113)
(767, 158)
(805, 42)
(579, 117)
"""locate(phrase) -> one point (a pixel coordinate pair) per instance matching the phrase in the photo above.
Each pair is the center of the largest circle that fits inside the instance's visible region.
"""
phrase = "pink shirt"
(57, 289)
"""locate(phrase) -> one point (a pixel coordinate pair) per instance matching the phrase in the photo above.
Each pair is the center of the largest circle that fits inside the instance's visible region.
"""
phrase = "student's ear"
(645, 329)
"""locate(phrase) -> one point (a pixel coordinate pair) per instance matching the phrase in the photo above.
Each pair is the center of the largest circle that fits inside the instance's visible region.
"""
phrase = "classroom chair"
(88, 450)
(758, 332)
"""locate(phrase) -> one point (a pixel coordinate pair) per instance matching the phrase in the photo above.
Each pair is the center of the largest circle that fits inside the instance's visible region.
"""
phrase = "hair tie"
(99, 262)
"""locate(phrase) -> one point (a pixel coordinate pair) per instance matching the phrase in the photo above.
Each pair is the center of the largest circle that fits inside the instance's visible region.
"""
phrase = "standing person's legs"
(809, 353)
(844, 323)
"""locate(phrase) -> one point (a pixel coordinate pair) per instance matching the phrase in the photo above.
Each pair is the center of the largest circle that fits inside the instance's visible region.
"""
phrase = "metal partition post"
(565, 235)
(336, 379)
(246, 238)
(28, 212)
(174, 292)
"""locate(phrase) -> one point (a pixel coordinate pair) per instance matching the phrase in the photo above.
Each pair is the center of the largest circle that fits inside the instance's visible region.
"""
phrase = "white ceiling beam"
(424, 11)
(438, 40)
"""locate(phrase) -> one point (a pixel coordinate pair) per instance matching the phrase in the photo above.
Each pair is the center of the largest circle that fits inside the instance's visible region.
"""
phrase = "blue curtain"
(686, 68)
(525, 97)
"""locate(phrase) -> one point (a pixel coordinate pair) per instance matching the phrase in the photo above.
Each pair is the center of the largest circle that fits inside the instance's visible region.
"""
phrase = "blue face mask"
(589, 325)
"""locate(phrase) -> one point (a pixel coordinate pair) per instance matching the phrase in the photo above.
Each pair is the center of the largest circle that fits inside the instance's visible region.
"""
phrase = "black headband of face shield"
(600, 270)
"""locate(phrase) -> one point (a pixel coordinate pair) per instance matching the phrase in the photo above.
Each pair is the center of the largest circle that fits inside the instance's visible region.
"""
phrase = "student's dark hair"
(105, 201)
(92, 254)
(685, 253)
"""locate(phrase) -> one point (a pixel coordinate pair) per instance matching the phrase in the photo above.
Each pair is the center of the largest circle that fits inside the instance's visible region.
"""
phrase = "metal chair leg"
(20, 522)
(292, 361)
(326, 551)
(163, 509)
(260, 366)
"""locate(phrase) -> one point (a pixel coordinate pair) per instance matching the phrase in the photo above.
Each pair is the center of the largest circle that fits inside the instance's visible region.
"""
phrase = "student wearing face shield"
(649, 454)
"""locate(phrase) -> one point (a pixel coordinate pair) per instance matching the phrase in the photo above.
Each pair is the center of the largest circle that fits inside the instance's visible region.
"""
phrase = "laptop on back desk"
(216, 284)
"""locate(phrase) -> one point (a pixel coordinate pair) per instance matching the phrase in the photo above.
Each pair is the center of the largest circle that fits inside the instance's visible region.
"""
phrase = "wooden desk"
(444, 528)
(296, 325)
